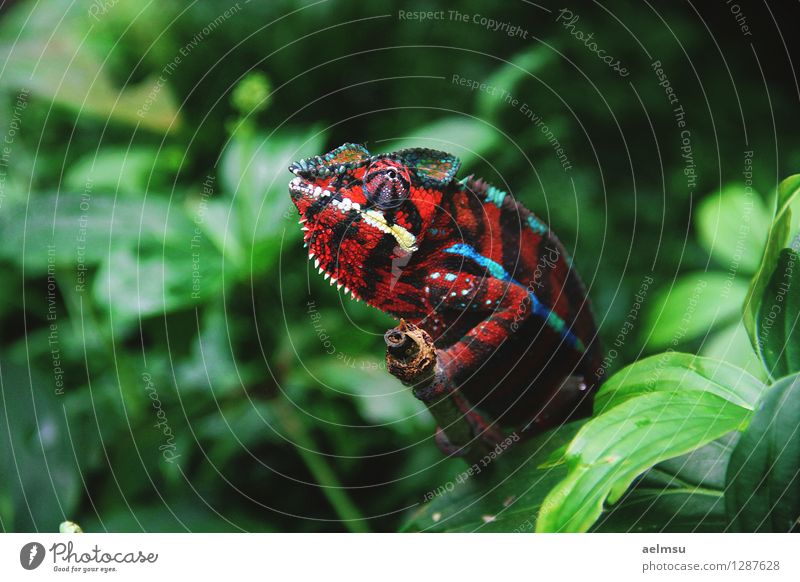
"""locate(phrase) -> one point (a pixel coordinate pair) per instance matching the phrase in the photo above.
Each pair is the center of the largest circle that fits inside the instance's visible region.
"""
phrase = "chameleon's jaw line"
(406, 240)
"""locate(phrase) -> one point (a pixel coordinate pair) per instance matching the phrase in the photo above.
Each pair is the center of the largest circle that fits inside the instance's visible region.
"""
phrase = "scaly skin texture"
(464, 261)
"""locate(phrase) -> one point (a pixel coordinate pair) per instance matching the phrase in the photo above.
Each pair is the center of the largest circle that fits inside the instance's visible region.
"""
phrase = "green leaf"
(732, 345)
(134, 284)
(71, 69)
(778, 323)
(732, 226)
(779, 233)
(681, 494)
(676, 510)
(380, 398)
(678, 374)
(526, 64)
(466, 138)
(695, 304)
(124, 170)
(253, 170)
(763, 479)
(612, 449)
(39, 475)
(505, 496)
(73, 229)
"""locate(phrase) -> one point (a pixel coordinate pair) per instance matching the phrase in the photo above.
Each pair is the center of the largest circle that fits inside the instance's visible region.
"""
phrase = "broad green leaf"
(74, 229)
(763, 480)
(674, 373)
(505, 496)
(72, 71)
(37, 463)
(220, 223)
(681, 494)
(779, 233)
(703, 468)
(612, 449)
(732, 345)
(157, 280)
(130, 171)
(254, 172)
(465, 137)
(695, 304)
(676, 510)
(380, 398)
(732, 226)
(524, 65)
(778, 323)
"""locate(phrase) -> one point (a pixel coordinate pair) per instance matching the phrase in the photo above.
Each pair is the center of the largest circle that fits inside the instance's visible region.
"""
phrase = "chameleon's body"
(465, 262)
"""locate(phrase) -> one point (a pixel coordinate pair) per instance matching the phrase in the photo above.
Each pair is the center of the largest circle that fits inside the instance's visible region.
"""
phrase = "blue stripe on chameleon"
(551, 318)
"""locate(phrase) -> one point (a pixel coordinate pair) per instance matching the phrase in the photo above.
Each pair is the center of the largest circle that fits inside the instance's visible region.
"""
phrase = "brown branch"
(411, 358)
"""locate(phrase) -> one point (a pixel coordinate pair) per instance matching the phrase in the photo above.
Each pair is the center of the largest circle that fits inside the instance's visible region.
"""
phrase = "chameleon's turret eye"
(387, 183)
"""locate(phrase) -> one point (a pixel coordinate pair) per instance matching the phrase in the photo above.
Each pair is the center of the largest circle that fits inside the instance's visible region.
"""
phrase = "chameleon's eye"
(387, 183)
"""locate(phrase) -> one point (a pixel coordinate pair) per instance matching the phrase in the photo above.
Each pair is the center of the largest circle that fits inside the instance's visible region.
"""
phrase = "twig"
(411, 358)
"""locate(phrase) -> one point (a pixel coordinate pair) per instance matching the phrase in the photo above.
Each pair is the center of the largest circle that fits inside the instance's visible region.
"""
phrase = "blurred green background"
(168, 360)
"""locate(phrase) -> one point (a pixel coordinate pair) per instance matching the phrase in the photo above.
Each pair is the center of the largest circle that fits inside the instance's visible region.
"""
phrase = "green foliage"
(153, 269)
(731, 226)
(502, 496)
(779, 233)
(763, 481)
(649, 419)
(779, 317)
(690, 309)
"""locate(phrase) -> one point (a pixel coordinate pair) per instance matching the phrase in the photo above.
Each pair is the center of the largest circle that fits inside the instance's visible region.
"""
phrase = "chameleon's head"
(362, 212)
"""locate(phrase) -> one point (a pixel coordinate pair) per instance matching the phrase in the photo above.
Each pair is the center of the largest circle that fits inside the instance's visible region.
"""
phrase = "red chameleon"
(464, 261)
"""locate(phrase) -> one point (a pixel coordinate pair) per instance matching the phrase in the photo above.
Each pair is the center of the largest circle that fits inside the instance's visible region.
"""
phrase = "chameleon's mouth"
(322, 198)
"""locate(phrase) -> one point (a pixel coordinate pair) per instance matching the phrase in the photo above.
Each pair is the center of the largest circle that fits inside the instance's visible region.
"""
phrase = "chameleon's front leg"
(505, 306)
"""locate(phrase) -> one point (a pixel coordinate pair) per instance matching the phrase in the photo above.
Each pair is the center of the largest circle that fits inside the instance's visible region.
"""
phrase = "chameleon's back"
(534, 377)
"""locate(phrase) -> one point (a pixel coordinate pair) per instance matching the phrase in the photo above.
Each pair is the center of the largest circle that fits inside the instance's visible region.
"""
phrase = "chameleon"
(481, 274)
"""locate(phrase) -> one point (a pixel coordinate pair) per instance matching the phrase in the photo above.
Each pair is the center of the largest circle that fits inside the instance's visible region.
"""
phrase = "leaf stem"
(323, 474)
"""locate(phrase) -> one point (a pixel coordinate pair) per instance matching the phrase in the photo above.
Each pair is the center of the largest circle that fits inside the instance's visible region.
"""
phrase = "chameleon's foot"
(446, 446)
(484, 436)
